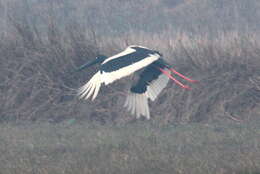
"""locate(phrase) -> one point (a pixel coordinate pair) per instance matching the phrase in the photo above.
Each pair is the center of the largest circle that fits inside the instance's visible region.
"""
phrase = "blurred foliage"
(115, 17)
(42, 42)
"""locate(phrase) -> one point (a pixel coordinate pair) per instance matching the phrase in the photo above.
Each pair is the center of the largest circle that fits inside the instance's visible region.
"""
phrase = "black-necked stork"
(153, 77)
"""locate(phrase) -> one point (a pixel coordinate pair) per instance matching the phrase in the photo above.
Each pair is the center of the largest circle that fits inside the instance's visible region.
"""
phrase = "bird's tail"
(91, 87)
(137, 104)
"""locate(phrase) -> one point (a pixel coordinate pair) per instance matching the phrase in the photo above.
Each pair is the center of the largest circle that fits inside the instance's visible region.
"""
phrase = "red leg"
(182, 76)
(175, 80)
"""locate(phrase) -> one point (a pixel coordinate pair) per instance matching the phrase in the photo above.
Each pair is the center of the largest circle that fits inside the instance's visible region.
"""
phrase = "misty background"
(45, 128)
(43, 41)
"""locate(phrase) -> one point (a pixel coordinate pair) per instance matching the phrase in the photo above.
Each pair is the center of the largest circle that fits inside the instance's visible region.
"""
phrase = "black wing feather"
(149, 74)
(128, 59)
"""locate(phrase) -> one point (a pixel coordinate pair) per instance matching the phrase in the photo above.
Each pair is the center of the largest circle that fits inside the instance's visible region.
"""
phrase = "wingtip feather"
(91, 87)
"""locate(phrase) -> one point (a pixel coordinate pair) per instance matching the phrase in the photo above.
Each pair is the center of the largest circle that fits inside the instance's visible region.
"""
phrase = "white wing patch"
(128, 50)
(137, 104)
(125, 71)
(91, 87)
(155, 88)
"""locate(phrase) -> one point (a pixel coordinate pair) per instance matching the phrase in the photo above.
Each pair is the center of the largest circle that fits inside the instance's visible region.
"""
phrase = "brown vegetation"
(38, 59)
(213, 41)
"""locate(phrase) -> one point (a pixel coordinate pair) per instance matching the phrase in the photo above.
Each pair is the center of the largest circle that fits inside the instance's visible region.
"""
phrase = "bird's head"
(99, 59)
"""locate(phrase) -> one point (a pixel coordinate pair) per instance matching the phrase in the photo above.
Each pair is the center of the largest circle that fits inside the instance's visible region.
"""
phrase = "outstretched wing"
(91, 87)
(118, 66)
(127, 62)
(150, 83)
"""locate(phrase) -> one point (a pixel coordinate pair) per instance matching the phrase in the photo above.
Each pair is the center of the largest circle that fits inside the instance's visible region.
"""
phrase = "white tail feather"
(91, 87)
(137, 104)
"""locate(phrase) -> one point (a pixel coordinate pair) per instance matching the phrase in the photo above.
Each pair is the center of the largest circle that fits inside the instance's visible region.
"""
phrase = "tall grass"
(40, 50)
(37, 82)
(213, 41)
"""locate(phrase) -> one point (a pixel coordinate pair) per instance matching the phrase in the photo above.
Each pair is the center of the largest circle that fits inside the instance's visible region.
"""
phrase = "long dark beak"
(86, 65)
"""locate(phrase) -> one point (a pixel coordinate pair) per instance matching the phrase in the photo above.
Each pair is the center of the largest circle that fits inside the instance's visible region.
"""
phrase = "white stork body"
(152, 80)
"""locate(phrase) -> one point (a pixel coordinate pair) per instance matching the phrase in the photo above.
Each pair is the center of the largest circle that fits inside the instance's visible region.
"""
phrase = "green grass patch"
(141, 147)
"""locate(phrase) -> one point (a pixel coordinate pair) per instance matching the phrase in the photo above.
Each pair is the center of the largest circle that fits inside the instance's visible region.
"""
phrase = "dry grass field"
(45, 128)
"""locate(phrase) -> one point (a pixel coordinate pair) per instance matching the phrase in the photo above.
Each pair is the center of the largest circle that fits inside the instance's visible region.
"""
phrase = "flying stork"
(154, 74)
